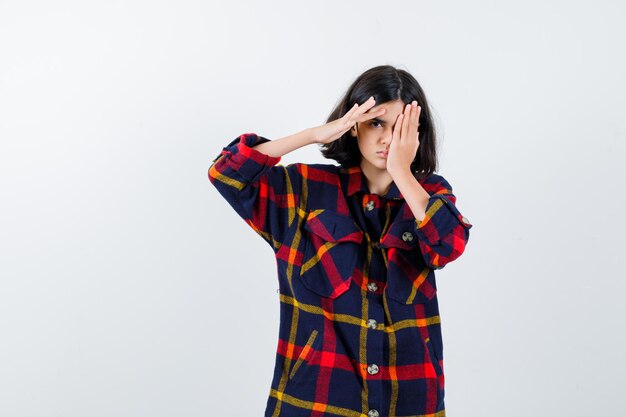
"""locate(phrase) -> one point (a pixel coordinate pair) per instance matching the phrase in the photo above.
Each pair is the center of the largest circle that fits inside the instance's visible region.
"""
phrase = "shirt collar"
(354, 180)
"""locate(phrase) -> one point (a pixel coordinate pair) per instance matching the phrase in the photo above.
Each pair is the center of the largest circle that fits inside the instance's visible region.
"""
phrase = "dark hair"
(385, 83)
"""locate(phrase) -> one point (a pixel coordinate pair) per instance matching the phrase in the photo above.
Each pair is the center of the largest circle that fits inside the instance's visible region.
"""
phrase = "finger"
(419, 113)
(364, 112)
(350, 112)
(356, 110)
(395, 136)
(366, 106)
(414, 117)
(371, 114)
(405, 122)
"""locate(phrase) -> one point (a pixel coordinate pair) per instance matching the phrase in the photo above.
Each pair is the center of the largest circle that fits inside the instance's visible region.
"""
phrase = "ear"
(353, 131)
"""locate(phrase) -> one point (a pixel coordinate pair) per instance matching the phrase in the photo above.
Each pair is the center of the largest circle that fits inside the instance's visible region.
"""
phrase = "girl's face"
(374, 135)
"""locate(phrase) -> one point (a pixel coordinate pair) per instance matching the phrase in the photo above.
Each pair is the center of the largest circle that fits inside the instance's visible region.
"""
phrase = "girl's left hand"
(404, 140)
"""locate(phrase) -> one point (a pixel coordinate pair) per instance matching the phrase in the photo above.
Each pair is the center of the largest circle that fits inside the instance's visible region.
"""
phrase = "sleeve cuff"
(442, 216)
(248, 162)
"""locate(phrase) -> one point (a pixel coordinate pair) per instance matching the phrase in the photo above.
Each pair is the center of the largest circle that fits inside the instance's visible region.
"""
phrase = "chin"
(382, 166)
(378, 163)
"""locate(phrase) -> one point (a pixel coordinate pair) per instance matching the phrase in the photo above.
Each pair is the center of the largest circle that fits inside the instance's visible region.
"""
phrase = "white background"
(129, 287)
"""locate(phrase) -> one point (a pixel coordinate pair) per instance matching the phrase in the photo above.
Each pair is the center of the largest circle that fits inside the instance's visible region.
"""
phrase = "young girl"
(356, 246)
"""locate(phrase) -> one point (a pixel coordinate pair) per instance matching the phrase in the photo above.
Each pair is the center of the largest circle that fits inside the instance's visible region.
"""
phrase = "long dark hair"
(385, 83)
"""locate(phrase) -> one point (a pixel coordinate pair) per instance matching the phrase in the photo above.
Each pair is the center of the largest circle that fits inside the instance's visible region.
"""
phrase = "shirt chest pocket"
(331, 245)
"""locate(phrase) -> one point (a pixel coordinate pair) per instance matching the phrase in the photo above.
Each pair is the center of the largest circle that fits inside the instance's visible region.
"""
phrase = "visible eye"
(374, 122)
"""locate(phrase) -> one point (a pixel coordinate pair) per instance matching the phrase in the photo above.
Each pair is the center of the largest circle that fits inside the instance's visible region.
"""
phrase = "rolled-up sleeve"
(444, 232)
(264, 194)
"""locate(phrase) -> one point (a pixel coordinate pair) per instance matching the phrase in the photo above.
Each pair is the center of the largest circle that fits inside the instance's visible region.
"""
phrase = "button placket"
(375, 355)
(375, 212)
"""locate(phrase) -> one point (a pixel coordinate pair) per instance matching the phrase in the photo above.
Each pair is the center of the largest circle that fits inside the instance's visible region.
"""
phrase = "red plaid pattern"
(360, 332)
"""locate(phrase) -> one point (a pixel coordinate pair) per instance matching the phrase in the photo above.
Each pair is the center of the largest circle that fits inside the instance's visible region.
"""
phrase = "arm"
(267, 196)
(442, 231)
(282, 146)
(415, 195)
(264, 194)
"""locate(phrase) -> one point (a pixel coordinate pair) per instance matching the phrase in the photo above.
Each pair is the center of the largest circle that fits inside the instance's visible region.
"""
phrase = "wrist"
(308, 135)
(401, 174)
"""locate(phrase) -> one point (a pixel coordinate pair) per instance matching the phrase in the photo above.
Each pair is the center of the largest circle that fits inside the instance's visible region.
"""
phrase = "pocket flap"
(330, 253)
(400, 235)
(332, 226)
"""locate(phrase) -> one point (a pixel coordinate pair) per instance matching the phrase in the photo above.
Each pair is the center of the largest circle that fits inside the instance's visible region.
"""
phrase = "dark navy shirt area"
(373, 213)
(360, 331)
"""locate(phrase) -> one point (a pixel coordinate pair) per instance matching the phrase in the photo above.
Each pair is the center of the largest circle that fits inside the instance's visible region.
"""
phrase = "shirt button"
(372, 369)
(464, 220)
(407, 236)
(371, 323)
(370, 205)
(373, 413)
(372, 286)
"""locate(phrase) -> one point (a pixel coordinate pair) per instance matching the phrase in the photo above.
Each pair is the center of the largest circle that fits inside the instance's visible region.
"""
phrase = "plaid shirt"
(360, 333)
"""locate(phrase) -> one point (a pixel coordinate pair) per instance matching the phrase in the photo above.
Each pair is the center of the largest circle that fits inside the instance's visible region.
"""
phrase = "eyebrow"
(376, 119)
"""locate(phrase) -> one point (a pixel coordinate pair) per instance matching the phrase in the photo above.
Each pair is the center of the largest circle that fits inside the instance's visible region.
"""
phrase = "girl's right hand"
(334, 130)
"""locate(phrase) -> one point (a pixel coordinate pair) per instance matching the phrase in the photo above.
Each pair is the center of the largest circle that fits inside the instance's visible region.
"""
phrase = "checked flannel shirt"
(360, 332)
